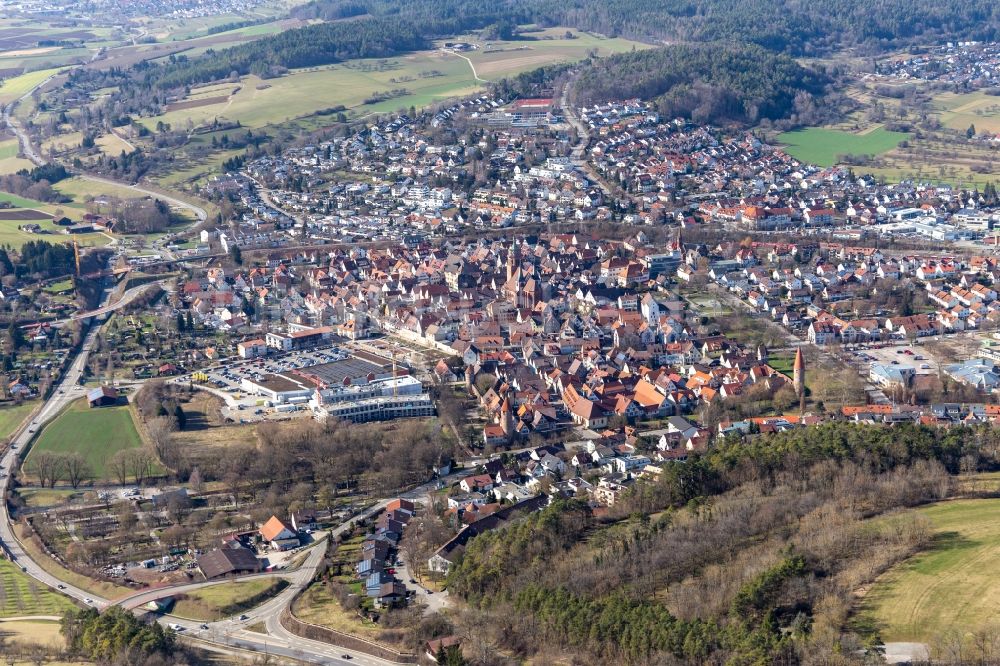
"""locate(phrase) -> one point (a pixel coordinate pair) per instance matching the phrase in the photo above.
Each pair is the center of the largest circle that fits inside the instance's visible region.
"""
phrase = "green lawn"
(45, 497)
(219, 601)
(22, 595)
(60, 286)
(782, 363)
(21, 202)
(822, 146)
(11, 417)
(953, 585)
(97, 434)
(9, 148)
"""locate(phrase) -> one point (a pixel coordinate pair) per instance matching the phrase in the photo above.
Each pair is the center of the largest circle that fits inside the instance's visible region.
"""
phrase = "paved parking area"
(227, 377)
(900, 354)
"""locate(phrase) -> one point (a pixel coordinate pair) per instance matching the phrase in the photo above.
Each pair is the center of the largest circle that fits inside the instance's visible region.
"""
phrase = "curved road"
(29, 152)
(219, 636)
(14, 124)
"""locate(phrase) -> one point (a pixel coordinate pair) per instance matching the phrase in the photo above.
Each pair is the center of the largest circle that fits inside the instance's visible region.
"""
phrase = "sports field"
(97, 434)
(821, 146)
(953, 585)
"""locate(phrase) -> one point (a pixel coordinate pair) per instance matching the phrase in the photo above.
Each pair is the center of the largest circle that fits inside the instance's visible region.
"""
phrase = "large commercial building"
(383, 408)
(359, 388)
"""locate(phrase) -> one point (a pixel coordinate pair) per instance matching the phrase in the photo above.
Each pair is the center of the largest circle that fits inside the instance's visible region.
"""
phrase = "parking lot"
(227, 376)
(900, 354)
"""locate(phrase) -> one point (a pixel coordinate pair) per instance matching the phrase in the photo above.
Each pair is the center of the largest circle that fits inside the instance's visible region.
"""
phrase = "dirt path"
(466, 59)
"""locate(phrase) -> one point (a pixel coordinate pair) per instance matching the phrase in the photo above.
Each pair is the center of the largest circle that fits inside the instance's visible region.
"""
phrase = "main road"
(225, 634)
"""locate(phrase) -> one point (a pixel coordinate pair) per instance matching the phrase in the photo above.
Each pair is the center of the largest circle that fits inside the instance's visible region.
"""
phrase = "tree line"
(704, 82)
(750, 554)
(779, 25)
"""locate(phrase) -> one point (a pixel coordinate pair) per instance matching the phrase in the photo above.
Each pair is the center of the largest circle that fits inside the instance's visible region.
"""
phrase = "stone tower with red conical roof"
(506, 417)
(799, 373)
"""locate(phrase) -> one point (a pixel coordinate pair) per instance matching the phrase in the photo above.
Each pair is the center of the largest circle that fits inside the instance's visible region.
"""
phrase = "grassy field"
(11, 235)
(318, 606)
(16, 87)
(952, 585)
(427, 76)
(11, 417)
(45, 497)
(939, 153)
(38, 632)
(97, 434)
(22, 595)
(9, 161)
(219, 601)
(822, 146)
(79, 188)
(960, 111)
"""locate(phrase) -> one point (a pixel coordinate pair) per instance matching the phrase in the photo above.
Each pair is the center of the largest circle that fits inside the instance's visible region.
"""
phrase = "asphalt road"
(64, 393)
(15, 125)
(228, 633)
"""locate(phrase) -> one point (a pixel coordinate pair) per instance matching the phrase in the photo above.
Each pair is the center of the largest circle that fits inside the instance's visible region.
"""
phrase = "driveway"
(435, 601)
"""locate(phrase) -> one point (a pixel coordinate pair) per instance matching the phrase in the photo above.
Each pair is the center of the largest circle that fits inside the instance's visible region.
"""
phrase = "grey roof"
(228, 560)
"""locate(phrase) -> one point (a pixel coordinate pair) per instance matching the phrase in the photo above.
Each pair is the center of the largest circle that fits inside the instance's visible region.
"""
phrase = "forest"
(780, 25)
(394, 28)
(705, 82)
(750, 554)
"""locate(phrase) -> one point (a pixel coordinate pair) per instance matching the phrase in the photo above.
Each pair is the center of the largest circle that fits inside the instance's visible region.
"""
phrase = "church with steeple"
(522, 289)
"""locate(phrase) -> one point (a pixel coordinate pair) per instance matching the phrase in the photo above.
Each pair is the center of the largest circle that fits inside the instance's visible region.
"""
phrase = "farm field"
(22, 595)
(952, 585)
(419, 79)
(97, 434)
(11, 417)
(937, 154)
(39, 632)
(427, 76)
(960, 111)
(9, 161)
(822, 146)
(79, 188)
(11, 235)
(542, 47)
(16, 87)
